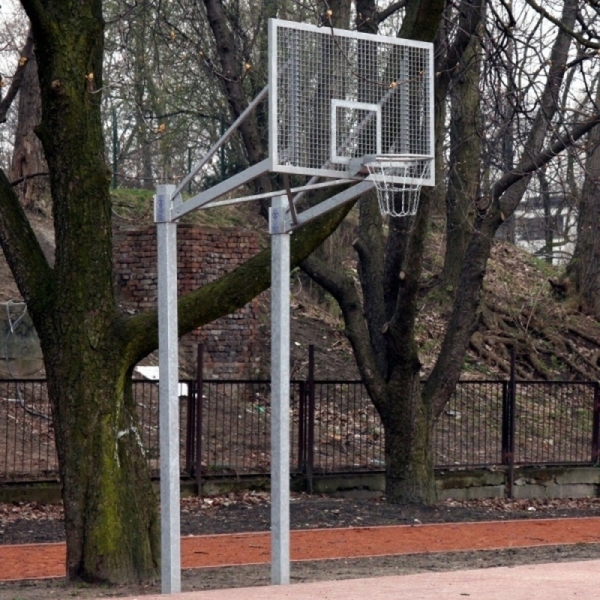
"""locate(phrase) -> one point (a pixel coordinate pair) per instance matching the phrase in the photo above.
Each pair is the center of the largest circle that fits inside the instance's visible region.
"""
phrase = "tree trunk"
(407, 422)
(584, 268)
(28, 162)
(465, 154)
(111, 520)
(549, 221)
(111, 513)
(232, 68)
(143, 88)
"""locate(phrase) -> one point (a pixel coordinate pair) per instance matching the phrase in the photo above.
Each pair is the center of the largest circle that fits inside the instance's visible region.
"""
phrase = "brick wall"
(204, 254)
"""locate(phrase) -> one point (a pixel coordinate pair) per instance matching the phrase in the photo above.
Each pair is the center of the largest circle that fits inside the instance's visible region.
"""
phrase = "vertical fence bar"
(38, 434)
(209, 392)
(542, 404)
(330, 427)
(190, 430)
(227, 402)
(596, 424)
(354, 459)
(199, 407)
(559, 405)
(511, 437)
(255, 394)
(14, 428)
(505, 421)
(235, 426)
(4, 470)
(301, 426)
(310, 458)
(24, 419)
(552, 405)
(577, 416)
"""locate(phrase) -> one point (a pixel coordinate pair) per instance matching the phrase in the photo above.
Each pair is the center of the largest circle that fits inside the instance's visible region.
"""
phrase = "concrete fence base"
(529, 482)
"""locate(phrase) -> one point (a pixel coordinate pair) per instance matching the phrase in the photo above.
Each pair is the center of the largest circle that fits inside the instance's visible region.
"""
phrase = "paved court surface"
(555, 581)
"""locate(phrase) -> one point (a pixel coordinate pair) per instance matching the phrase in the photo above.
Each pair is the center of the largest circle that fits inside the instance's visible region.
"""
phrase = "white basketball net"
(398, 180)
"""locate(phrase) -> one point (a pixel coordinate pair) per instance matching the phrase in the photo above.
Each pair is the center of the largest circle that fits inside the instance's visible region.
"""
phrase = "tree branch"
(15, 85)
(422, 20)
(533, 163)
(382, 15)
(342, 288)
(560, 24)
(38, 15)
(230, 292)
(32, 176)
(470, 19)
(29, 266)
(231, 66)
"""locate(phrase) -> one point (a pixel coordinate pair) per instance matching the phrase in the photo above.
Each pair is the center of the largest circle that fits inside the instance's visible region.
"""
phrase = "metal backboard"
(336, 96)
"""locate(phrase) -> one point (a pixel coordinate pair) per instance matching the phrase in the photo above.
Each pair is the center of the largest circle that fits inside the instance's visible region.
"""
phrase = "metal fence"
(526, 422)
(26, 433)
(335, 428)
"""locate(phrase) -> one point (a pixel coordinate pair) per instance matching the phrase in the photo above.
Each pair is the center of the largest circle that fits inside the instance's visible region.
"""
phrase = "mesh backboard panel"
(338, 95)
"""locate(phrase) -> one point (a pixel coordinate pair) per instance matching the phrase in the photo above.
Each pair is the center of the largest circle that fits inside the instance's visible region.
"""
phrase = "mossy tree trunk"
(407, 422)
(110, 508)
(89, 346)
(111, 520)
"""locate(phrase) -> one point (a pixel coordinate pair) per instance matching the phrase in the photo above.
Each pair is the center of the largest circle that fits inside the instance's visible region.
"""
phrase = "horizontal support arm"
(348, 195)
(221, 189)
(303, 188)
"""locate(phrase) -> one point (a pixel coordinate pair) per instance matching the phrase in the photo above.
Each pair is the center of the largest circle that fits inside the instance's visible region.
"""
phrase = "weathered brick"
(203, 255)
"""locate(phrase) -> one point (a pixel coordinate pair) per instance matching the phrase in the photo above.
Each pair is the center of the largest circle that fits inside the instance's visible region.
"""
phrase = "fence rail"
(335, 428)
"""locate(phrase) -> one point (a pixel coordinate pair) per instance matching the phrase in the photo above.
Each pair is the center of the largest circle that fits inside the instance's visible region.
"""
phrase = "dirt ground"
(28, 523)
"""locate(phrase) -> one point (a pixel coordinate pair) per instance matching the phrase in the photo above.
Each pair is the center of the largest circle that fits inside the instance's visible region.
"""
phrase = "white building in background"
(534, 218)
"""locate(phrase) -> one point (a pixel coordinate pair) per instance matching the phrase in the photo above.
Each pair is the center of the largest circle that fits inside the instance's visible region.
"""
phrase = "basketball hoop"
(398, 179)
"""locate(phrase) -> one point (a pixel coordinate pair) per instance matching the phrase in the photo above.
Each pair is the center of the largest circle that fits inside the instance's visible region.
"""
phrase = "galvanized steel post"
(166, 233)
(280, 394)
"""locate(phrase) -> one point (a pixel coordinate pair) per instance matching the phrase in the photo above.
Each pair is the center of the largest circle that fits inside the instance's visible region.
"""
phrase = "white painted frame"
(373, 108)
(325, 171)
